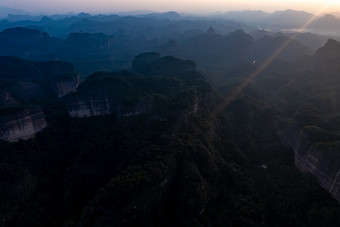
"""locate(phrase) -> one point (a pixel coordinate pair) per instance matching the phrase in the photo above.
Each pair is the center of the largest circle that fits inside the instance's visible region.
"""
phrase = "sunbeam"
(264, 65)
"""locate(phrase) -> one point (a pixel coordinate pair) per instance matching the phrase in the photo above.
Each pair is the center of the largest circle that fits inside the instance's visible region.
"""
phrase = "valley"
(168, 120)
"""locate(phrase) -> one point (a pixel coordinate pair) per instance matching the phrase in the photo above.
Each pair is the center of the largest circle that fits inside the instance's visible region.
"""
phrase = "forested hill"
(200, 168)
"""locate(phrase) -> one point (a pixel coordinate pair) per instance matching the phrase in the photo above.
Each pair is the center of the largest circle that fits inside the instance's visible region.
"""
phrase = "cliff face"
(65, 86)
(311, 125)
(320, 159)
(37, 80)
(88, 106)
(21, 123)
(62, 88)
(61, 76)
(127, 94)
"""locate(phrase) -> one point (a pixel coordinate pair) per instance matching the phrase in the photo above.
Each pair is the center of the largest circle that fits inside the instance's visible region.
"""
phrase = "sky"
(194, 6)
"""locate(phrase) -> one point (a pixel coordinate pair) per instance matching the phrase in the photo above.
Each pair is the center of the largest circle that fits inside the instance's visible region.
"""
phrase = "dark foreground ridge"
(146, 149)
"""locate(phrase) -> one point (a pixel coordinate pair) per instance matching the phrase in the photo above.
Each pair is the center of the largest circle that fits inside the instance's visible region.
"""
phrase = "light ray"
(264, 65)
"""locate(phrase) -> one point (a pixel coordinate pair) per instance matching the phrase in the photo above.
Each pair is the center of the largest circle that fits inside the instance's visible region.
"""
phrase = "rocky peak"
(210, 31)
(327, 57)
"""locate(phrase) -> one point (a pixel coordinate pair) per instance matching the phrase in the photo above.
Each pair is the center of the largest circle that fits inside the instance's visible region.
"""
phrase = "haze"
(107, 6)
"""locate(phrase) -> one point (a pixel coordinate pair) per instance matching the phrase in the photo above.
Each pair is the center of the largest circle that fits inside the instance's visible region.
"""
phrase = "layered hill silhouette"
(90, 52)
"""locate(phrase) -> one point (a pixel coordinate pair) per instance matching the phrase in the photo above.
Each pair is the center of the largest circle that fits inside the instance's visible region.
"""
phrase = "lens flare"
(263, 66)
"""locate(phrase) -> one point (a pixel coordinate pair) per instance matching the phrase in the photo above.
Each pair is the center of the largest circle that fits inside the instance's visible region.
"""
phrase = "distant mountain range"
(327, 25)
(4, 11)
(278, 20)
(109, 42)
(286, 18)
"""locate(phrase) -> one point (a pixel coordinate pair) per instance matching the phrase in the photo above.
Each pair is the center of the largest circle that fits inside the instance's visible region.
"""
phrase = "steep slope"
(24, 86)
(265, 47)
(37, 80)
(169, 87)
(309, 120)
(20, 122)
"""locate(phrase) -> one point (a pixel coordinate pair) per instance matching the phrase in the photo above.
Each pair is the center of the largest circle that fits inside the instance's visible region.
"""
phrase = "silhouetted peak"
(152, 64)
(46, 19)
(171, 14)
(292, 12)
(20, 30)
(331, 43)
(330, 46)
(327, 57)
(83, 14)
(210, 31)
(141, 61)
(327, 20)
(26, 34)
(239, 33)
(329, 16)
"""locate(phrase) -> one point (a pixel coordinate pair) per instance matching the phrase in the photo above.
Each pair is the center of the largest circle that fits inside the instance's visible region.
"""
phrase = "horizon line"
(145, 12)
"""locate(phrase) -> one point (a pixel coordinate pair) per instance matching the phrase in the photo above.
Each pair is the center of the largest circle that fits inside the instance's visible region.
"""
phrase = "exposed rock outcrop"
(19, 122)
(127, 94)
(320, 159)
(88, 106)
(61, 76)
(62, 88)
(37, 80)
